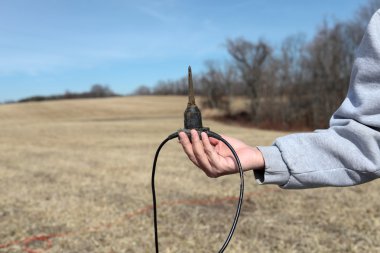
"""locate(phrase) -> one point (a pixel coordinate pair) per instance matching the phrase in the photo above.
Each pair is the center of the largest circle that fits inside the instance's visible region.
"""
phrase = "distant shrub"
(96, 91)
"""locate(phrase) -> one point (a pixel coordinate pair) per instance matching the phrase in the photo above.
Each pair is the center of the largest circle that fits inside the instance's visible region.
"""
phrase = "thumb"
(213, 141)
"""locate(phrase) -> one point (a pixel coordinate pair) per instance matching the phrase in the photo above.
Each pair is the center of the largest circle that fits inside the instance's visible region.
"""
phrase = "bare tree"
(142, 90)
(251, 59)
(216, 85)
(172, 87)
(98, 90)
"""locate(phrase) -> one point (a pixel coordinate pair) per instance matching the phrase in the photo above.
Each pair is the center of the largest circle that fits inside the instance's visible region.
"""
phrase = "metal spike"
(191, 88)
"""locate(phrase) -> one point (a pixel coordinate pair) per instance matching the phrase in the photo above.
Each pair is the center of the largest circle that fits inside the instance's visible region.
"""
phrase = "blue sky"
(50, 46)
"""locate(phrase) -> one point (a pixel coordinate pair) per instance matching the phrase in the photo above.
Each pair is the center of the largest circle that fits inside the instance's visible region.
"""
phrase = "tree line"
(96, 91)
(297, 85)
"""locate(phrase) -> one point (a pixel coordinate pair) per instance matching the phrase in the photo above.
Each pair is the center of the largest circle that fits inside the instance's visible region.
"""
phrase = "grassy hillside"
(75, 177)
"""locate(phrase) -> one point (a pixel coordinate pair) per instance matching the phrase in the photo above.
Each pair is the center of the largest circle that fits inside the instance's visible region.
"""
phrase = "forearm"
(340, 156)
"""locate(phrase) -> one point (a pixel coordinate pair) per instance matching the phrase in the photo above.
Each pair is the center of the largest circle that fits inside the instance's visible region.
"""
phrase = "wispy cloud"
(156, 14)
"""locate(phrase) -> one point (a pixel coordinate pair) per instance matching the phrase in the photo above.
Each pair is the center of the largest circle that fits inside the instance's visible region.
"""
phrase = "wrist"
(259, 162)
(251, 158)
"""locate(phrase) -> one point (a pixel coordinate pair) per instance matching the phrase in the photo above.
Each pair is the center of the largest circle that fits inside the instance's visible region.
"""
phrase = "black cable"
(240, 201)
(172, 136)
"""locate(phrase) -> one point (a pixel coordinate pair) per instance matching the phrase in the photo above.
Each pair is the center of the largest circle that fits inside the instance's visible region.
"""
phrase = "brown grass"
(78, 173)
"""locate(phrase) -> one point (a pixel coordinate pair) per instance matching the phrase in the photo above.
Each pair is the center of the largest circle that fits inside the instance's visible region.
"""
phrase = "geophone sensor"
(193, 120)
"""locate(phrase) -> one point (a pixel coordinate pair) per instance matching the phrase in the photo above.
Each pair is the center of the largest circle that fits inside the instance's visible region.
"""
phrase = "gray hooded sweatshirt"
(348, 152)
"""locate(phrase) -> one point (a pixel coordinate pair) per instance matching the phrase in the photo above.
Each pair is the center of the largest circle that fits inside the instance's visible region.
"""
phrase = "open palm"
(215, 158)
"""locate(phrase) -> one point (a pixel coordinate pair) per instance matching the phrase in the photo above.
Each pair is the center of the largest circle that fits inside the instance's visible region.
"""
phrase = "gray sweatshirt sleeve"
(348, 152)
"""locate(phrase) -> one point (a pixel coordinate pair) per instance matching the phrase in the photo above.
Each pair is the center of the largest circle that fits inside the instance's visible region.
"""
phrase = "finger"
(199, 152)
(187, 147)
(220, 147)
(209, 149)
(213, 141)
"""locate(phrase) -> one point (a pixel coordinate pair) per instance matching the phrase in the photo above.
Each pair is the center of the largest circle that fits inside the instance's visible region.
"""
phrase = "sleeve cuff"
(276, 171)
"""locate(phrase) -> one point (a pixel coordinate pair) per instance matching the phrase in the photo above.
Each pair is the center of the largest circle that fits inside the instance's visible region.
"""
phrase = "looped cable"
(240, 201)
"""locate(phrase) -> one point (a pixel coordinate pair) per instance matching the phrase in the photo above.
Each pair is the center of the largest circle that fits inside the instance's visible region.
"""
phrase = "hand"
(215, 158)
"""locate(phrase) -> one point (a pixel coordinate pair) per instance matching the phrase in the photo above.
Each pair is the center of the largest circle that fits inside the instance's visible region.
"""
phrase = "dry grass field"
(75, 177)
